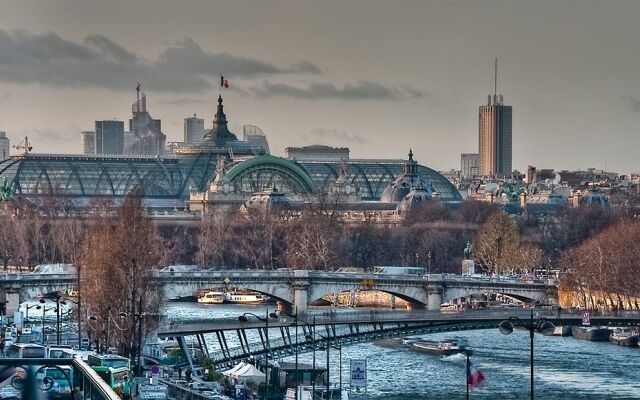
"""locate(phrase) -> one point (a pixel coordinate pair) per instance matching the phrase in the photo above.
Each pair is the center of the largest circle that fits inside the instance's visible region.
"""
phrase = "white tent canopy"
(232, 371)
(248, 373)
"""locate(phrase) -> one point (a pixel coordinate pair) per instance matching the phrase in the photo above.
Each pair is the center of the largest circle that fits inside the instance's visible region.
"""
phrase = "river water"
(565, 368)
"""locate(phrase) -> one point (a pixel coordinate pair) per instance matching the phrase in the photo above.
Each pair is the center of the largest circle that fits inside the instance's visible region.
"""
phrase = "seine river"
(565, 368)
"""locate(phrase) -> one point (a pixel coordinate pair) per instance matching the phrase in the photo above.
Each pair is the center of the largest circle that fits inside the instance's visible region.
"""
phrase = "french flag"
(475, 377)
(223, 82)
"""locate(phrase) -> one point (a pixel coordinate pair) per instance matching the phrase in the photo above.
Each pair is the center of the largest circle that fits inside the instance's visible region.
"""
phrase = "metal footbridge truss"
(344, 329)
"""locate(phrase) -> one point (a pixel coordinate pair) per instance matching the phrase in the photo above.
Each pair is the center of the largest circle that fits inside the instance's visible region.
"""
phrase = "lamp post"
(108, 318)
(313, 345)
(58, 302)
(295, 319)
(78, 309)
(265, 319)
(540, 325)
(27, 307)
(44, 310)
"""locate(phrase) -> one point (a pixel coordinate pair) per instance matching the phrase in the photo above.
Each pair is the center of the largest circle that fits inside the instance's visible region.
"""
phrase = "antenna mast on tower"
(495, 77)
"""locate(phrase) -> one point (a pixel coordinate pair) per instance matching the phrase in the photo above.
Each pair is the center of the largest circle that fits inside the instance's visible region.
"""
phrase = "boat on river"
(443, 348)
(245, 297)
(211, 297)
(624, 336)
(591, 333)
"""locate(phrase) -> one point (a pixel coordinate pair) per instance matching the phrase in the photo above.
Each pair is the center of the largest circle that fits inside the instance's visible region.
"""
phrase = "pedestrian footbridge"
(287, 335)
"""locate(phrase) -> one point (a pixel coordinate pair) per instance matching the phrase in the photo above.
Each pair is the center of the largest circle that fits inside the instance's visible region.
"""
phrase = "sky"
(376, 76)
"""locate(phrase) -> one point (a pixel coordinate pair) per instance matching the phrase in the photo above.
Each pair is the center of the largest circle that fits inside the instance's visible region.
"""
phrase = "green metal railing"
(85, 383)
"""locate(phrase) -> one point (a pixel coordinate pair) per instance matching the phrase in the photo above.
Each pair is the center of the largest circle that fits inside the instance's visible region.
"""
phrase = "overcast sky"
(376, 76)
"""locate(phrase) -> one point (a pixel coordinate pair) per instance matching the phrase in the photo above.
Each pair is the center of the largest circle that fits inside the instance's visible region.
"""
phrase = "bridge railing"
(86, 383)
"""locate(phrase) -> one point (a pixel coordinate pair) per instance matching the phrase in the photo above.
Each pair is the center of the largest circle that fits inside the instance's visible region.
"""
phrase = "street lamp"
(265, 319)
(313, 345)
(540, 325)
(108, 318)
(44, 310)
(295, 319)
(58, 302)
(27, 307)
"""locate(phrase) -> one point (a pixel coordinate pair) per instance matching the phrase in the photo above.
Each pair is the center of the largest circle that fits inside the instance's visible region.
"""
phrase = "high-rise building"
(148, 138)
(193, 129)
(469, 164)
(494, 139)
(109, 137)
(88, 142)
(128, 140)
(4, 146)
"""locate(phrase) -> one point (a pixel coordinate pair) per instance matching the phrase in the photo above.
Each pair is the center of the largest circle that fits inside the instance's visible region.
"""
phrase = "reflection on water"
(565, 368)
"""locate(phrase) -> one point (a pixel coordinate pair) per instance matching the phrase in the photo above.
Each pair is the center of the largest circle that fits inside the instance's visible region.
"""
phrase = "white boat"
(212, 297)
(305, 393)
(238, 297)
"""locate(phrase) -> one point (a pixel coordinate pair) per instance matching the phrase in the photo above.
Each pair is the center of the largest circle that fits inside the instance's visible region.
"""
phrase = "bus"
(56, 382)
(388, 270)
(118, 378)
(108, 360)
(26, 350)
(60, 352)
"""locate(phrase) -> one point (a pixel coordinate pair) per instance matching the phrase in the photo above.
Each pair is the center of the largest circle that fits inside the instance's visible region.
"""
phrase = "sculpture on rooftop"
(6, 190)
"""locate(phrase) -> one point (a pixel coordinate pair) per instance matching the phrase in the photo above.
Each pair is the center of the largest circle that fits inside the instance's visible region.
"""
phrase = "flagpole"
(466, 374)
(220, 86)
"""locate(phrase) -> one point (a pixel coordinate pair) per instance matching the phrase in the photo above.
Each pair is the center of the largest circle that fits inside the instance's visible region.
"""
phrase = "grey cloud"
(109, 49)
(184, 67)
(183, 102)
(362, 90)
(334, 135)
(633, 103)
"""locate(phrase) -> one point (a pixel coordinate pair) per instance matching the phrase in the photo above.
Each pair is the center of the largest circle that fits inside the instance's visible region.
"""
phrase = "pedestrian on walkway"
(179, 372)
(187, 375)
(2, 344)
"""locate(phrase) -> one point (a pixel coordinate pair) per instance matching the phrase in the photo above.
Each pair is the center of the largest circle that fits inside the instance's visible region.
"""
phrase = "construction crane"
(24, 145)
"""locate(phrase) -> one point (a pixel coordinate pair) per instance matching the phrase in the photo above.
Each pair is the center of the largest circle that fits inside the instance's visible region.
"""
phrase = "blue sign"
(240, 393)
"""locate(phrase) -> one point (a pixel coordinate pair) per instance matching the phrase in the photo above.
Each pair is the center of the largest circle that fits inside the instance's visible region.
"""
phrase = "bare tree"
(498, 242)
(119, 258)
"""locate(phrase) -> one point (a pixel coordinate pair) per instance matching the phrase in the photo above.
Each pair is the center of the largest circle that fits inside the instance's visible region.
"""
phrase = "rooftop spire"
(220, 133)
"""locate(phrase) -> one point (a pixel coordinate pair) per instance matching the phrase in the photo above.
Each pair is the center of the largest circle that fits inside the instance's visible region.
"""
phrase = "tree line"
(117, 248)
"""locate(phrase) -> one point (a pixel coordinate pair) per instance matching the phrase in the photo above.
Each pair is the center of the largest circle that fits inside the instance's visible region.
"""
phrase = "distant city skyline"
(375, 76)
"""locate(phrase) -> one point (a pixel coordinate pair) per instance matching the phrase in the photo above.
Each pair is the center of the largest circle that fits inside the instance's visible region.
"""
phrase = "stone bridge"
(298, 289)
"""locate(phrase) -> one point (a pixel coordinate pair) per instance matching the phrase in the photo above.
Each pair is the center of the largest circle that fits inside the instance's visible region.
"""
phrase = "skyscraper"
(148, 138)
(494, 139)
(109, 137)
(88, 142)
(469, 165)
(4, 146)
(193, 129)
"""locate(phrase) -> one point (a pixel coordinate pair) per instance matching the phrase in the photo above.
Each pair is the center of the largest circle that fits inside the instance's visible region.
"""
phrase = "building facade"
(317, 152)
(193, 129)
(5, 146)
(494, 138)
(88, 143)
(109, 137)
(469, 164)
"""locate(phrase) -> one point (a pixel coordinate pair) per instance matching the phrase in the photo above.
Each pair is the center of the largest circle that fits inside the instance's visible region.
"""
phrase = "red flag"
(223, 82)
(475, 377)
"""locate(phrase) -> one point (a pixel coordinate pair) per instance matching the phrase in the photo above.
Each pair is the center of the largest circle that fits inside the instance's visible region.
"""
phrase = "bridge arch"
(523, 294)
